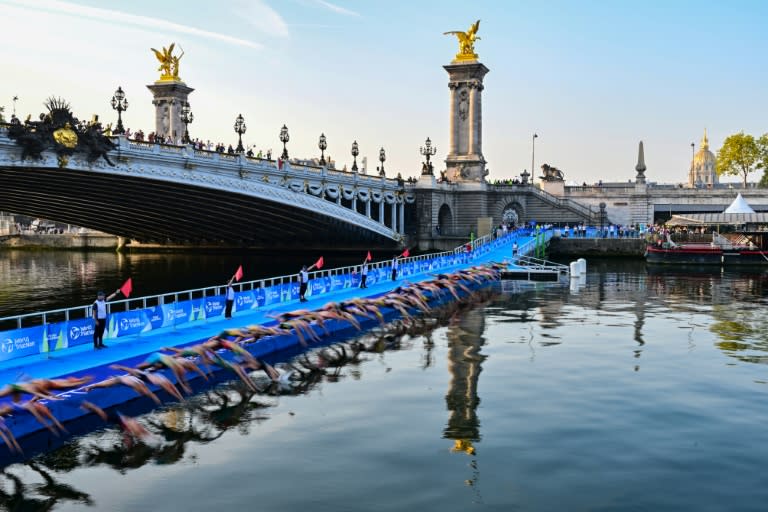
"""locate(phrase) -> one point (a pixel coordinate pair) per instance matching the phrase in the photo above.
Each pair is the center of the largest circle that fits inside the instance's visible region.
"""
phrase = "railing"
(567, 203)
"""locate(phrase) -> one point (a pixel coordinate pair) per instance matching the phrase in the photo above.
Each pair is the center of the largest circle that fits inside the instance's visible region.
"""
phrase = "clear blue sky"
(592, 78)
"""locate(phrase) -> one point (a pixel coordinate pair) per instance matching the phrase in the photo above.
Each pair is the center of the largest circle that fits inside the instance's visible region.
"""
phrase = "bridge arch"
(509, 210)
(445, 220)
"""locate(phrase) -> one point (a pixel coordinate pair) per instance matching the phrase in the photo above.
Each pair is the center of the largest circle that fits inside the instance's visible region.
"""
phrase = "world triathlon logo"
(124, 324)
(74, 332)
(7, 345)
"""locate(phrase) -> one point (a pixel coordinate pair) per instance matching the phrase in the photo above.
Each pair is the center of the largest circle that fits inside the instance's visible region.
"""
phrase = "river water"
(642, 389)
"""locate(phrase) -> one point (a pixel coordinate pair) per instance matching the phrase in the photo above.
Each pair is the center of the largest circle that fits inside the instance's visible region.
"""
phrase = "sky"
(591, 77)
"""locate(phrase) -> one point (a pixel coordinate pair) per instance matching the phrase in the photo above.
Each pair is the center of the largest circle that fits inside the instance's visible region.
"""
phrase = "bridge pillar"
(169, 97)
(465, 161)
(401, 227)
(368, 208)
(354, 203)
(381, 211)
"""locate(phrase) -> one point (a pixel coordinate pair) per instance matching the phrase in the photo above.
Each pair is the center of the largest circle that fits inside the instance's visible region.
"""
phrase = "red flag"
(279, 164)
(239, 273)
(369, 257)
(406, 253)
(127, 288)
(319, 263)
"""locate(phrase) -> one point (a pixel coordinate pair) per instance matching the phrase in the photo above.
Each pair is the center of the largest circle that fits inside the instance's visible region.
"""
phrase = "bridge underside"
(152, 211)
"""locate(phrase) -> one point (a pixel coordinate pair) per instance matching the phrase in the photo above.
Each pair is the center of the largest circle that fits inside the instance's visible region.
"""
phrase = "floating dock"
(131, 349)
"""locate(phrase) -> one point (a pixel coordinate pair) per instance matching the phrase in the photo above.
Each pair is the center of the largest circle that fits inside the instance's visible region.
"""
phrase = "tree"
(738, 156)
(762, 147)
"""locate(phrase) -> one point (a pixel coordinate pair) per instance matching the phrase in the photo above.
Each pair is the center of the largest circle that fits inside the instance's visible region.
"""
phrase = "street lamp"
(186, 117)
(240, 130)
(322, 144)
(120, 104)
(382, 157)
(428, 151)
(533, 150)
(355, 152)
(284, 138)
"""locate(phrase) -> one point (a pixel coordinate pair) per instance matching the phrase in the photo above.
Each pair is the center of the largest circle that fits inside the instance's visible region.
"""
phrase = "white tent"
(739, 205)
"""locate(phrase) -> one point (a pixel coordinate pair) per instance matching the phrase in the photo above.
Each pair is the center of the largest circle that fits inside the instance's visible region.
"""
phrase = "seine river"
(640, 390)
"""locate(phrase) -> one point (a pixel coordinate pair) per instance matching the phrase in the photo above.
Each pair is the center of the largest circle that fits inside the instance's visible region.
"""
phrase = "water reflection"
(207, 416)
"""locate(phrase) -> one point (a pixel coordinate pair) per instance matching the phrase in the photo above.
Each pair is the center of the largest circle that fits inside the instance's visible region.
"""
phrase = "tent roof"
(739, 205)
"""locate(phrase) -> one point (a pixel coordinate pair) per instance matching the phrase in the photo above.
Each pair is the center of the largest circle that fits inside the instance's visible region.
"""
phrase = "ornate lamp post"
(186, 117)
(240, 130)
(284, 138)
(120, 104)
(322, 144)
(382, 157)
(355, 152)
(427, 151)
(533, 150)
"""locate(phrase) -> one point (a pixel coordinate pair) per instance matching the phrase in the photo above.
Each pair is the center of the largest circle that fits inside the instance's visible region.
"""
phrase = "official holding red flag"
(304, 277)
(238, 275)
(99, 315)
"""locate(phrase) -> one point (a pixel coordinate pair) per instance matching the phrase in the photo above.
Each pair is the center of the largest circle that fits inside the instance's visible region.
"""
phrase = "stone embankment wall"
(59, 241)
(624, 247)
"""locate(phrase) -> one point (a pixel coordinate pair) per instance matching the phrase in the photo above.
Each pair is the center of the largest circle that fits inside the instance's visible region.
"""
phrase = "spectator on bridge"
(230, 150)
(99, 314)
(249, 153)
(269, 154)
(514, 248)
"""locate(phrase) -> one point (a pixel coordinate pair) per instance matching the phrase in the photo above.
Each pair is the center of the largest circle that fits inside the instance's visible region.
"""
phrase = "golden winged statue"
(466, 42)
(169, 64)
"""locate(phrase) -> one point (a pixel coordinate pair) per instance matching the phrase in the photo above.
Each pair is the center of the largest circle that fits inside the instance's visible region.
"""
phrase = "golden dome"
(704, 156)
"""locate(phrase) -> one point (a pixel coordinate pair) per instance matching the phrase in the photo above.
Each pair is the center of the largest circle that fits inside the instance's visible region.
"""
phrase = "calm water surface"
(636, 391)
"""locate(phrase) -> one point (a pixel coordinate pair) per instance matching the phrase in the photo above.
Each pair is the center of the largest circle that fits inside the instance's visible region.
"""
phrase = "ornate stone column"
(465, 161)
(168, 98)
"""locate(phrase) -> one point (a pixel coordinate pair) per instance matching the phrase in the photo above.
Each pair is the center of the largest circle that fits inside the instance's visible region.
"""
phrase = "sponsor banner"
(197, 309)
(214, 305)
(176, 313)
(78, 332)
(272, 294)
(128, 322)
(339, 282)
(155, 316)
(22, 342)
(260, 297)
(54, 337)
(290, 291)
(320, 285)
(245, 301)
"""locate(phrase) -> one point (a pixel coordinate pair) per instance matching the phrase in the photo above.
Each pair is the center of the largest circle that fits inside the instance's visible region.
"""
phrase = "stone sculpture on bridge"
(551, 173)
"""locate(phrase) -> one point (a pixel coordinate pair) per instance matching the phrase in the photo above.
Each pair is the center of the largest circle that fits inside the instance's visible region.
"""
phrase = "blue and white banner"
(78, 332)
(214, 305)
(22, 342)
(245, 301)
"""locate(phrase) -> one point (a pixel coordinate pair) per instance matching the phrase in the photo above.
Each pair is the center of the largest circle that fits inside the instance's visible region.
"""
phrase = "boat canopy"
(721, 219)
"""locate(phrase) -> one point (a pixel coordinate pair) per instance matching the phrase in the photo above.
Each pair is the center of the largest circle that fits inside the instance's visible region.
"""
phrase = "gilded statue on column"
(466, 42)
(169, 64)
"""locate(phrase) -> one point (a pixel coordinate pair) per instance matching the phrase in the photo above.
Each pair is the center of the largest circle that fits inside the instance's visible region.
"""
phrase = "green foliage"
(739, 156)
(762, 148)
(2, 119)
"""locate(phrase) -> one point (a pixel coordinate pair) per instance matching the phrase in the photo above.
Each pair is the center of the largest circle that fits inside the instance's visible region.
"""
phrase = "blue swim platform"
(131, 350)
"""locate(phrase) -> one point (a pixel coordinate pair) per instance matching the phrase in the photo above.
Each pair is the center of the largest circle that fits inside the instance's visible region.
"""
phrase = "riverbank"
(60, 241)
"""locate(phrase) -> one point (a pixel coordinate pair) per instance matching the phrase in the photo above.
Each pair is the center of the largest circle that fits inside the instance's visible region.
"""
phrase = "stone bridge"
(175, 194)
